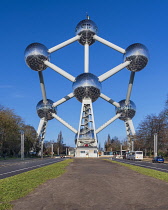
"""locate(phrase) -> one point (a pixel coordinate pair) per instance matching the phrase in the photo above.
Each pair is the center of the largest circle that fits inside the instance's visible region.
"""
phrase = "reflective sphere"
(86, 28)
(127, 111)
(86, 86)
(35, 54)
(138, 55)
(86, 135)
(86, 138)
(45, 110)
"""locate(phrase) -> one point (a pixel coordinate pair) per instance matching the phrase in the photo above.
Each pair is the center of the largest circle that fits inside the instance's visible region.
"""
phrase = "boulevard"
(16, 166)
(146, 164)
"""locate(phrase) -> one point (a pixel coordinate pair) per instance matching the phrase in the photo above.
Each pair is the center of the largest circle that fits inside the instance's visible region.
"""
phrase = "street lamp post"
(155, 144)
(52, 150)
(121, 149)
(22, 145)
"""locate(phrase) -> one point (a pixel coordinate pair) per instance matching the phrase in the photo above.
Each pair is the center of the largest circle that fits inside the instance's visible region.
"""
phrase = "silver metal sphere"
(86, 135)
(86, 86)
(86, 28)
(35, 54)
(138, 55)
(127, 111)
(45, 110)
(86, 138)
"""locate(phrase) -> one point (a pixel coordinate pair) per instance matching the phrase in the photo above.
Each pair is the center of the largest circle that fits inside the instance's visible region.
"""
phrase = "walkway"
(95, 184)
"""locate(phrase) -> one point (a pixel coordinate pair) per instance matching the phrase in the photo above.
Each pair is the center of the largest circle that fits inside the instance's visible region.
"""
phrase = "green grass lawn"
(146, 171)
(20, 185)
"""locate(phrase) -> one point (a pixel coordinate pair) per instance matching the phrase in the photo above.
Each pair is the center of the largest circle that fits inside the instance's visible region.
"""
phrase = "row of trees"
(152, 124)
(144, 139)
(11, 126)
(112, 144)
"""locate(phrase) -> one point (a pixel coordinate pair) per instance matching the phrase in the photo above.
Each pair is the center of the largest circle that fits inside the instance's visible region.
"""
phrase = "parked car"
(158, 159)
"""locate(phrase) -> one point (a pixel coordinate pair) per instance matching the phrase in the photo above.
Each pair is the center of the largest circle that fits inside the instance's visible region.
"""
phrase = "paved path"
(95, 184)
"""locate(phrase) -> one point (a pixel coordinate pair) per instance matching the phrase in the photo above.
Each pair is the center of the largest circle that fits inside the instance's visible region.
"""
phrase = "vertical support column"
(93, 123)
(128, 131)
(22, 145)
(80, 120)
(132, 129)
(121, 149)
(155, 144)
(86, 143)
(132, 144)
(42, 87)
(86, 56)
(130, 88)
(52, 150)
(42, 132)
(42, 142)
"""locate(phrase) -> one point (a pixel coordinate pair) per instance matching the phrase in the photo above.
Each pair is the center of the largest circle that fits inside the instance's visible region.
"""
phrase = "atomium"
(127, 110)
(138, 55)
(45, 110)
(86, 86)
(35, 55)
(86, 28)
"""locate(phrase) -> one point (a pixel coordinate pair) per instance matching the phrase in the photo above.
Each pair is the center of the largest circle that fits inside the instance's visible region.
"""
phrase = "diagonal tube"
(113, 71)
(86, 52)
(106, 98)
(63, 44)
(109, 44)
(41, 123)
(42, 87)
(60, 71)
(131, 126)
(66, 98)
(130, 88)
(108, 123)
(64, 123)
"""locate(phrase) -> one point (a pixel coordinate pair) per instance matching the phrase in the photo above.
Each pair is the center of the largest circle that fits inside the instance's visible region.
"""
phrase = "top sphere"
(138, 55)
(35, 54)
(86, 86)
(86, 28)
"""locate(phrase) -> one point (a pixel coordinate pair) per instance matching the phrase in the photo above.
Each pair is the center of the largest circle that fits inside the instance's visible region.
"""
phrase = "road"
(13, 167)
(146, 164)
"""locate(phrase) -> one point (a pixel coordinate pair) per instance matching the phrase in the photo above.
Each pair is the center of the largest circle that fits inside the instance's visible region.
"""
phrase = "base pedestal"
(86, 152)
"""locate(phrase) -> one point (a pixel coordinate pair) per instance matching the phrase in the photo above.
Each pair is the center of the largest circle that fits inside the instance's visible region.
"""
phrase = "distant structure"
(87, 88)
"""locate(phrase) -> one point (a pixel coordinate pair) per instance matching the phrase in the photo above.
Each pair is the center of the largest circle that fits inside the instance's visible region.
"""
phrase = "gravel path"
(96, 184)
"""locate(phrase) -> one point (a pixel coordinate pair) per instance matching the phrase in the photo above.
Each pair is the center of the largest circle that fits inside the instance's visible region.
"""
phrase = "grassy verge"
(20, 185)
(146, 171)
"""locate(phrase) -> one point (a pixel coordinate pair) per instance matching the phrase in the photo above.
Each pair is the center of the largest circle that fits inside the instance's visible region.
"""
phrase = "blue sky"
(52, 22)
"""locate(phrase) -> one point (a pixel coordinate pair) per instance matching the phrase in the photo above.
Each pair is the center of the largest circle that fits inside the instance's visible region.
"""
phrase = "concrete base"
(86, 152)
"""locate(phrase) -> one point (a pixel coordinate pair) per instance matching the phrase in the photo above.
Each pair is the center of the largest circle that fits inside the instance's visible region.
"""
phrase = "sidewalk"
(96, 184)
